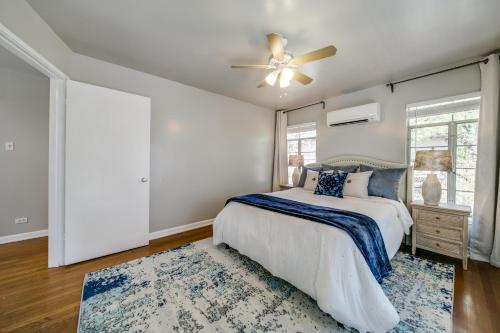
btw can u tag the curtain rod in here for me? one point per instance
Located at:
(392, 84)
(302, 107)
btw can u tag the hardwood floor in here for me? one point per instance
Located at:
(476, 306)
(36, 299)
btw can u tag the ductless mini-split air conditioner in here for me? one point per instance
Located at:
(367, 113)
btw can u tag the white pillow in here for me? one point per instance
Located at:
(311, 180)
(356, 184)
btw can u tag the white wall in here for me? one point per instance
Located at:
(24, 119)
(205, 147)
(385, 140)
(226, 145)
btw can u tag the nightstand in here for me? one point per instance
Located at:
(441, 229)
(285, 186)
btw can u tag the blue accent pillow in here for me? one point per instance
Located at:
(346, 168)
(325, 167)
(384, 182)
(331, 184)
(303, 175)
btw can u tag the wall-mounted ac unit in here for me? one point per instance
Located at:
(367, 113)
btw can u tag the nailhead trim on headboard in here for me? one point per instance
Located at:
(406, 189)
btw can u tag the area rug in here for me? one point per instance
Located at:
(204, 288)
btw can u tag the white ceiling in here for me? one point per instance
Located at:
(195, 41)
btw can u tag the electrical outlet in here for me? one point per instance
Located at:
(9, 146)
(20, 220)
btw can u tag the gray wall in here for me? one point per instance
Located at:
(24, 119)
(387, 139)
(22, 20)
(204, 147)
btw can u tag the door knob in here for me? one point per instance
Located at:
(144, 180)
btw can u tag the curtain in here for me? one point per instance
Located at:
(280, 169)
(485, 235)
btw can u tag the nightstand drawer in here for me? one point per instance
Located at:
(445, 220)
(452, 234)
(439, 245)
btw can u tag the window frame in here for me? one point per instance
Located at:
(452, 146)
(452, 141)
(299, 128)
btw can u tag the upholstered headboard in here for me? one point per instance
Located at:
(405, 187)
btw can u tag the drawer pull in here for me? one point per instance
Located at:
(446, 247)
(438, 218)
(438, 231)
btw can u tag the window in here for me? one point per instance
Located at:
(301, 141)
(450, 123)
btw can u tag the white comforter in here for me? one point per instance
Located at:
(318, 259)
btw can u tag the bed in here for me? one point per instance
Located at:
(321, 260)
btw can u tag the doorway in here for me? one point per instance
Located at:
(24, 137)
(56, 151)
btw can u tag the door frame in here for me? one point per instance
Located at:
(57, 132)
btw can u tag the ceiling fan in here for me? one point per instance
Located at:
(284, 64)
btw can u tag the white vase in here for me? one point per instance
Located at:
(295, 177)
(431, 190)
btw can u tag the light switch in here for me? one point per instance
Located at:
(9, 146)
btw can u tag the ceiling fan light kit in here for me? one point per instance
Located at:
(272, 77)
(286, 76)
(284, 64)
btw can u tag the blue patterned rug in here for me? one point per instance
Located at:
(203, 288)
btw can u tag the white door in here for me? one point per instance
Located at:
(107, 171)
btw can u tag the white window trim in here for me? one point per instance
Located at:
(452, 129)
(443, 100)
(304, 127)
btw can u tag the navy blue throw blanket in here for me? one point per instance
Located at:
(363, 230)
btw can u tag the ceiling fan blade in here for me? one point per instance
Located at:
(262, 84)
(252, 66)
(302, 78)
(314, 55)
(275, 43)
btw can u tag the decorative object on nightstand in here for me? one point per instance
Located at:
(284, 187)
(432, 160)
(296, 161)
(441, 229)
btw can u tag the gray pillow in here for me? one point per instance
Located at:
(384, 182)
(303, 175)
(346, 168)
